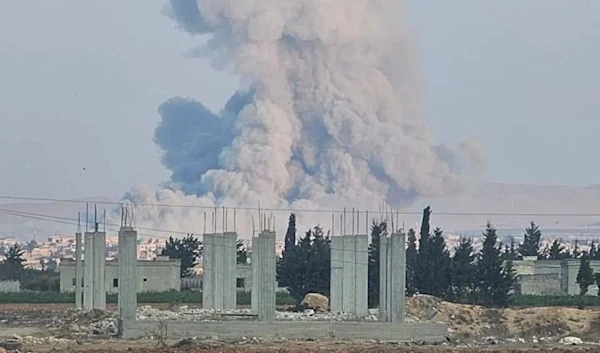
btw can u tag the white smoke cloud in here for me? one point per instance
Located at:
(331, 117)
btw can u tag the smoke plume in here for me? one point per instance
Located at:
(327, 114)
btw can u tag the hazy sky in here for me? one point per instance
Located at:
(81, 80)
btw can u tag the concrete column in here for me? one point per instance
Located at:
(88, 270)
(337, 273)
(267, 278)
(218, 270)
(398, 281)
(361, 281)
(383, 288)
(230, 271)
(207, 272)
(127, 257)
(349, 275)
(99, 240)
(255, 262)
(78, 271)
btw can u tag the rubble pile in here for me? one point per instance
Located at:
(94, 322)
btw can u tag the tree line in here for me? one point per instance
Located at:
(484, 277)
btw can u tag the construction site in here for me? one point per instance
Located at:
(341, 322)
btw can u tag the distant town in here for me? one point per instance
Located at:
(46, 254)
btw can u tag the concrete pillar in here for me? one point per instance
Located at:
(398, 259)
(267, 278)
(99, 240)
(127, 282)
(337, 273)
(78, 271)
(220, 270)
(361, 281)
(349, 274)
(207, 272)
(255, 256)
(88, 270)
(383, 278)
(230, 271)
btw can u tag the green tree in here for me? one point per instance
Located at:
(187, 249)
(12, 266)
(423, 274)
(531, 241)
(555, 252)
(439, 265)
(378, 230)
(411, 263)
(288, 253)
(489, 278)
(290, 235)
(510, 252)
(463, 271)
(242, 252)
(509, 280)
(585, 275)
(306, 267)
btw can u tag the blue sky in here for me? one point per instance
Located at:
(81, 80)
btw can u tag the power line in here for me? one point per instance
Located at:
(338, 211)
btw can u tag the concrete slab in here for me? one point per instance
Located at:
(427, 332)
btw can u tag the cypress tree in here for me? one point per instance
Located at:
(411, 263)
(378, 230)
(585, 275)
(423, 275)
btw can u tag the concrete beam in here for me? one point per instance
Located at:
(127, 259)
(313, 330)
(88, 269)
(78, 271)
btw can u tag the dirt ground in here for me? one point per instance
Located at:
(294, 347)
(469, 326)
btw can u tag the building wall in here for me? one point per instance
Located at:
(153, 276)
(551, 277)
(10, 286)
(539, 284)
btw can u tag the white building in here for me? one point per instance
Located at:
(158, 275)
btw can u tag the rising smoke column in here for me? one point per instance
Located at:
(329, 113)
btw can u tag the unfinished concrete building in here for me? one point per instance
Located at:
(219, 266)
